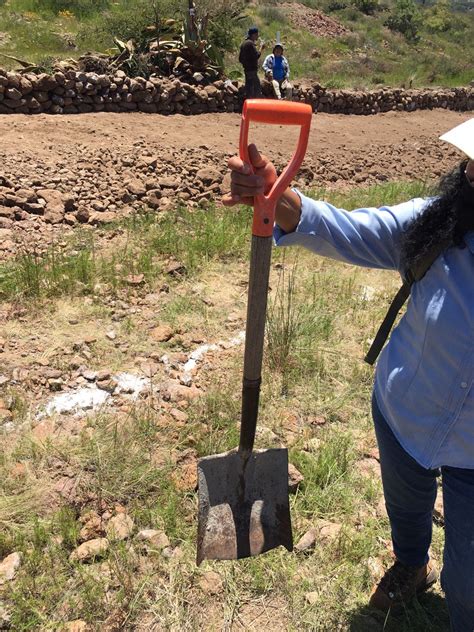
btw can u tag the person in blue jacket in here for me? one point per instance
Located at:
(423, 398)
(277, 70)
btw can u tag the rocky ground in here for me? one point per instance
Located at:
(57, 173)
(108, 399)
(312, 20)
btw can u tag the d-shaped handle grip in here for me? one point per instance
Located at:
(274, 113)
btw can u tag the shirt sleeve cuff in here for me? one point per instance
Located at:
(308, 224)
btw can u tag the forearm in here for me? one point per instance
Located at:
(368, 237)
(288, 211)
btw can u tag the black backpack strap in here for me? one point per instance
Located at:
(387, 324)
(413, 274)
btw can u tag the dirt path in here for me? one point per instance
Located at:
(58, 172)
(46, 138)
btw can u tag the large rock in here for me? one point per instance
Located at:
(54, 199)
(295, 478)
(323, 531)
(53, 217)
(162, 333)
(328, 530)
(209, 175)
(211, 583)
(9, 566)
(154, 538)
(136, 187)
(153, 198)
(168, 182)
(120, 527)
(93, 527)
(307, 541)
(312, 597)
(175, 392)
(90, 550)
(77, 626)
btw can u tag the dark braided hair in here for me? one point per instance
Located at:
(449, 216)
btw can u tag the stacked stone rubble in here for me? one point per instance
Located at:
(72, 92)
(385, 99)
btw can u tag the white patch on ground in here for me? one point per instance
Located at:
(85, 398)
(238, 340)
(198, 354)
(74, 402)
(367, 292)
(130, 384)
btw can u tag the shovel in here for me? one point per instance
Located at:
(244, 507)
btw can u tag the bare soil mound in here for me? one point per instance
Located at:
(312, 20)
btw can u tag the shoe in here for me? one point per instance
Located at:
(400, 584)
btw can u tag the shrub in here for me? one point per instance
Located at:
(270, 13)
(440, 17)
(80, 8)
(336, 5)
(126, 21)
(369, 7)
(405, 19)
(225, 19)
(351, 14)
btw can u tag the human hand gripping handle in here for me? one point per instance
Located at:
(276, 113)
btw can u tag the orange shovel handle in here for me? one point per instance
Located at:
(274, 113)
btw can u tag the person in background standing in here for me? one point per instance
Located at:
(277, 70)
(248, 57)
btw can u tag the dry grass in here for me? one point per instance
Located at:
(130, 460)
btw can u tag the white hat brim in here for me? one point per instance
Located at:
(462, 137)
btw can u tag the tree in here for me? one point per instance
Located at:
(405, 19)
(441, 17)
(369, 7)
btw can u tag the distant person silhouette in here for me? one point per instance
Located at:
(248, 57)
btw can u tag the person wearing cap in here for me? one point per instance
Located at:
(248, 57)
(423, 397)
(277, 70)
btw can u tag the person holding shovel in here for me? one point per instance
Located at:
(423, 398)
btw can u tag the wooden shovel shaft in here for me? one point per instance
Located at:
(260, 257)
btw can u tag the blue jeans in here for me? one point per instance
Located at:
(410, 494)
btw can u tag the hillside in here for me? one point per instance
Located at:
(336, 42)
(369, 53)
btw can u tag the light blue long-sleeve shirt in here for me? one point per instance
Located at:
(424, 376)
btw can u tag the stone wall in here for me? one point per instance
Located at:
(72, 92)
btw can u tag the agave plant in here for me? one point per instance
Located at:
(190, 49)
(176, 48)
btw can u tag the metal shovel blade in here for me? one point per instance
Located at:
(244, 507)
